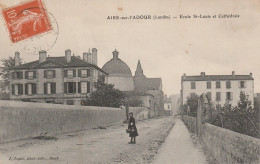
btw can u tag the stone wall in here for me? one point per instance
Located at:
(230, 147)
(190, 122)
(140, 113)
(225, 145)
(20, 120)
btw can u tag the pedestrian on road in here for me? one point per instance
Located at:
(132, 129)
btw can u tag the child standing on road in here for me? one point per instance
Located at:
(132, 129)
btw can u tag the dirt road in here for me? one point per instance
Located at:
(108, 145)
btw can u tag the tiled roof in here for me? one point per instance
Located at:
(58, 62)
(147, 83)
(216, 77)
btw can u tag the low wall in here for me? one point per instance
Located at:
(20, 120)
(230, 147)
(225, 145)
(190, 122)
(140, 113)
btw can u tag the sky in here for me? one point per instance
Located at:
(166, 48)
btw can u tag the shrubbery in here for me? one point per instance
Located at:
(241, 118)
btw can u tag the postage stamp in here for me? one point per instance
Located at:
(26, 20)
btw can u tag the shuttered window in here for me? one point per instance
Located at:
(83, 87)
(218, 96)
(229, 96)
(84, 73)
(208, 84)
(70, 87)
(17, 89)
(17, 75)
(49, 88)
(193, 85)
(30, 75)
(228, 84)
(218, 84)
(242, 84)
(70, 73)
(49, 74)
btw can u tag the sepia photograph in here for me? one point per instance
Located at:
(129, 82)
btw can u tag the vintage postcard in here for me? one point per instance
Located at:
(154, 82)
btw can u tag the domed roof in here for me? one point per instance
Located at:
(116, 66)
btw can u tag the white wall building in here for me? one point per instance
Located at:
(219, 88)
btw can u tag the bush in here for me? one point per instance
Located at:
(242, 118)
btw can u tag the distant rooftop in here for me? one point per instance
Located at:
(57, 62)
(204, 77)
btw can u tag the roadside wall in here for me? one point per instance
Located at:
(225, 145)
(190, 122)
(140, 113)
(20, 120)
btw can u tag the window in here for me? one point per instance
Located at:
(193, 85)
(17, 75)
(30, 75)
(169, 107)
(208, 84)
(49, 88)
(49, 74)
(228, 84)
(218, 84)
(84, 73)
(209, 96)
(242, 84)
(70, 73)
(70, 87)
(218, 96)
(30, 89)
(229, 96)
(84, 87)
(17, 89)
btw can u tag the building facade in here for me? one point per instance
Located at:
(64, 80)
(148, 90)
(220, 89)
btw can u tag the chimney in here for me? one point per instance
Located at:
(94, 56)
(42, 56)
(251, 75)
(184, 76)
(233, 73)
(202, 74)
(17, 58)
(85, 56)
(68, 55)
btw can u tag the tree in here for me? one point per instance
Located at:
(105, 95)
(133, 101)
(4, 74)
(244, 103)
(191, 104)
(241, 118)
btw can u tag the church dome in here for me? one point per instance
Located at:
(116, 66)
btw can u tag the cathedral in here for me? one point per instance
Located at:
(148, 90)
